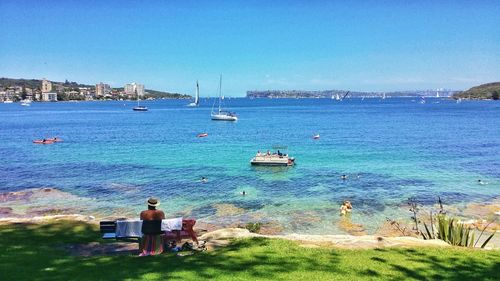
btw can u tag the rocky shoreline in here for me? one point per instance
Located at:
(43, 205)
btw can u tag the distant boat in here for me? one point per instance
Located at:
(139, 107)
(202, 135)
(25, 102)
(383, 96)
(7, 101)
(222, 115)
(196, 98)
(316, 137)
(337, 97)
(422, 100)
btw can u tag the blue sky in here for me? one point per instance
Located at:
(308, 45)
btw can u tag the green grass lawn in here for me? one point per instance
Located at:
(35, 252)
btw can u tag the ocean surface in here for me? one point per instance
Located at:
(112, 158)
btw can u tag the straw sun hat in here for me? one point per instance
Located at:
(153, 202)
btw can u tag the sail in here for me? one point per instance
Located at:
(197, 98)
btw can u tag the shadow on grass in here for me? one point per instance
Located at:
(31, 253)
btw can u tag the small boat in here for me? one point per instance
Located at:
(272, 159)
(316, 137)
(7, 101)
(202, 135)
(196, 98)
(139, 107)
(222, 115)
(26, 102)
(44, 141)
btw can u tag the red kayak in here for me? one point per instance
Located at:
(45, 141)
(202, 135)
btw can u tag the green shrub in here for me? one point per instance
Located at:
(453, 232)
(253, 226)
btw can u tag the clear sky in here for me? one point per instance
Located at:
(307, 45)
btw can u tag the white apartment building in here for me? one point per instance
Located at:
(49, 96)
(134, 89)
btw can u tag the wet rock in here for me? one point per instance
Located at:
(5, 210)
(348, 226)
(223, 210)
(15, 196)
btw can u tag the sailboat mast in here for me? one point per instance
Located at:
(220, 91)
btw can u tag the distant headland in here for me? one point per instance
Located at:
(489, 91)
(12, 89)
(339, 94)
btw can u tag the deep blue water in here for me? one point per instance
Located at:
(112, 158)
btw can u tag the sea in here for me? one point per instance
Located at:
(391, 150)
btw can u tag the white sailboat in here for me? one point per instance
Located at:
(222, 115)
(196, 98)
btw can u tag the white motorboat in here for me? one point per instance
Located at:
(272, 159)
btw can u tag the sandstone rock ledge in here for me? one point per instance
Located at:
(221, 237)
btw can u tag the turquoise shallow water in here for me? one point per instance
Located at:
(113, 158)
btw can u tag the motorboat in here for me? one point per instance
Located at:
(202, 135)
(316, 137)
(272, 159)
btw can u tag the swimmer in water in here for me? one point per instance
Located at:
(481, 182)
(243, 193)
(343, 177)
(345, 208)
(203, 180)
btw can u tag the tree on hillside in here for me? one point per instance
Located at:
(495, 95)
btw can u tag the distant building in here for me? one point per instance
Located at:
(102, 89)
(134, 89)
(139, 89)
(49, 96)
(46, 86)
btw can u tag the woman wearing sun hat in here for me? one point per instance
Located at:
(152, 243)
